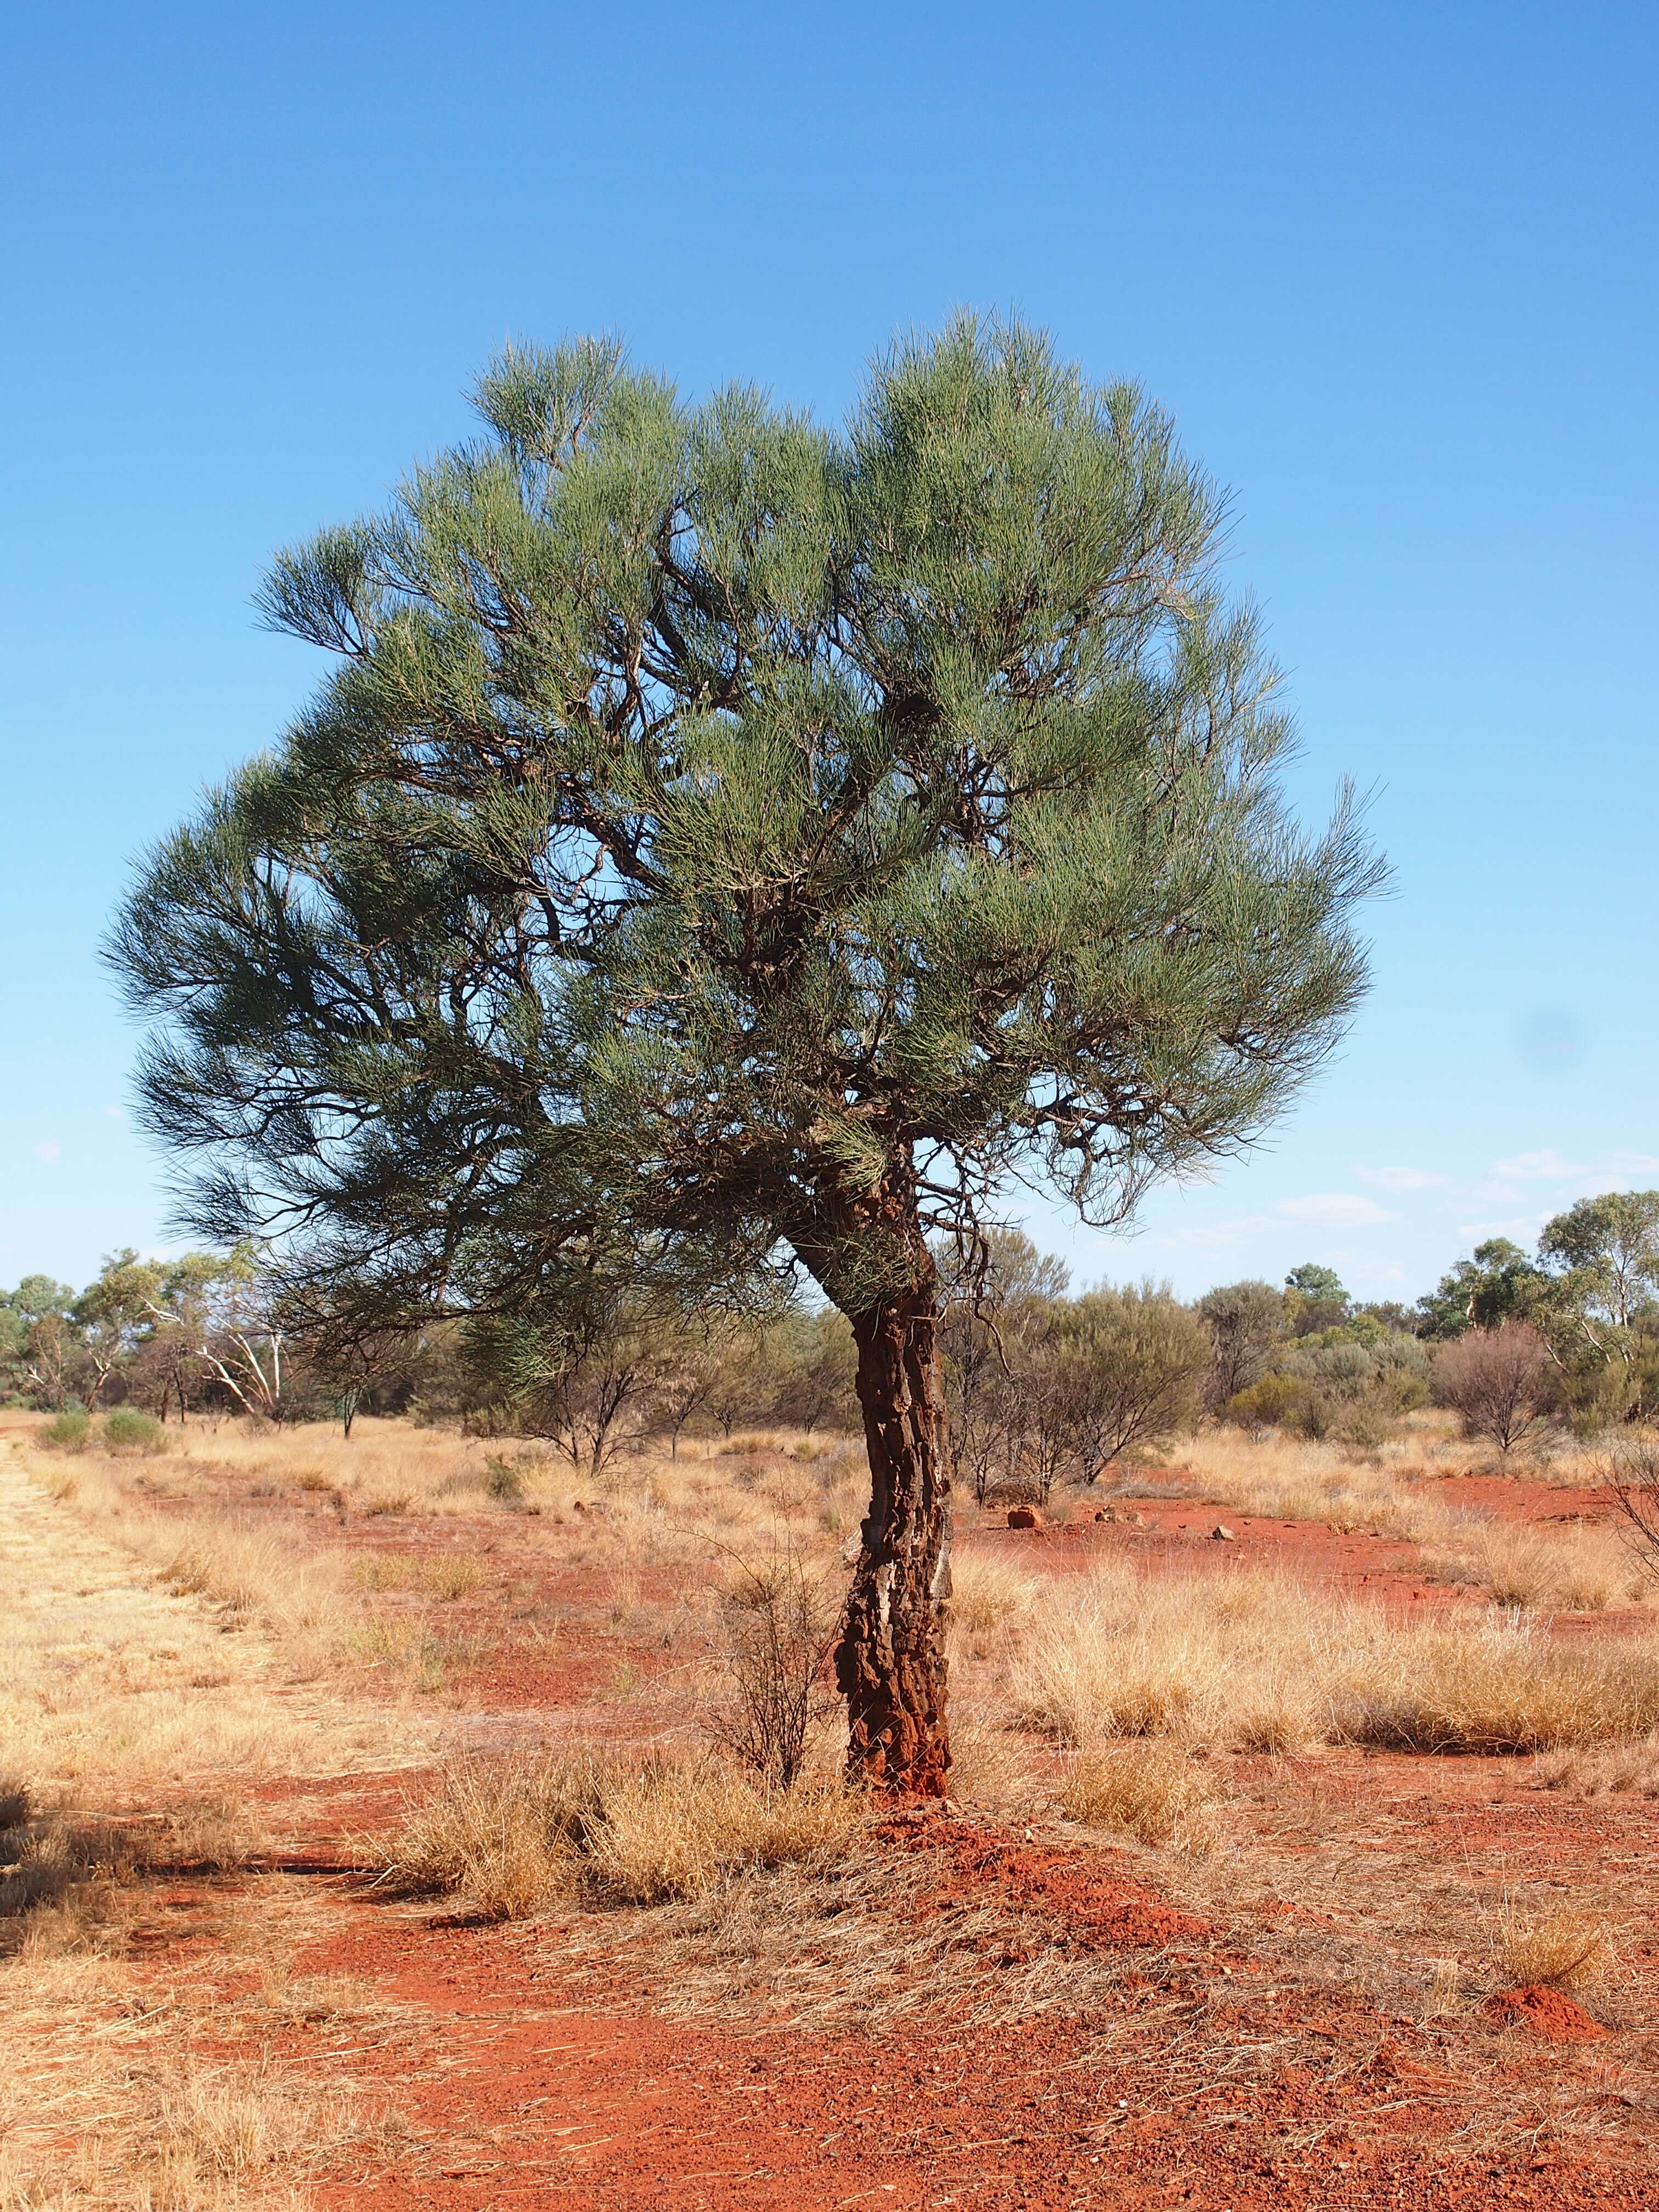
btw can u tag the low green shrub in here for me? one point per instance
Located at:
(70, 1431)
(128, 1429)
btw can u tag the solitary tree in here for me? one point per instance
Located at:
(724, 838)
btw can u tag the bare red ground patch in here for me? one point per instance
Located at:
(1101, 1905)
(1549, 2013)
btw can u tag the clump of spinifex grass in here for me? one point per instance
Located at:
(1150, 1790)
(1558, 1944)
(1254, 1662)
(511, 1837)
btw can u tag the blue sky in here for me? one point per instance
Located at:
(1393, 269)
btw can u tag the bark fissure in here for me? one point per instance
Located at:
(889, 1663)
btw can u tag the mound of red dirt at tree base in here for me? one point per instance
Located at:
(1107, 1910)
(1547, 2012)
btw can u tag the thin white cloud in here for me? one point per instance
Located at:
(1400, 1178)
(1631, 1163)
(116, 1113)
(1334, 1209)
(48, 1150)
(1215, 1236)
(1546, 1166)
(1519, 1228)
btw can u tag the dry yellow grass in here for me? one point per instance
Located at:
(1254, 1662)
(112, 1680)
(1558, 1944)
(104, 2107)
(1572, 1569)
(445, 1575)
(1152, 1790)
(1283, 1478)
(510, 1836)
(1563, 1569)
(991, 1596)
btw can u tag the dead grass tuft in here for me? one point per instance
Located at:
(1149, 1791)
(1583, 1570)
(1254, 1662)
(1558, 1945)
(991, 1598)
(446, 1576)
(1602, 1770)
(509, 1838)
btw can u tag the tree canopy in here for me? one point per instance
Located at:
(723, 837)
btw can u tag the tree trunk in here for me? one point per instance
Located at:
(889, 1663)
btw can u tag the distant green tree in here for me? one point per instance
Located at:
(38, 1342)
(1121, 1370)
(1498, 1284)
(723, 838)
(1602, 1300)
(1321, 1286)
(817, 1362)
(116, 1314)
(1315, 1299)
(1609, 1247)
(1000, 1294)
(1246, 1322)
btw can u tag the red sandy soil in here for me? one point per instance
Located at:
(528, 2088)
(529, 2080)
(1549, 2013)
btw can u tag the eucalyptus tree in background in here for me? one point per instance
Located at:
(725, 840)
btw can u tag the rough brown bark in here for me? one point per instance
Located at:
(889, 1663)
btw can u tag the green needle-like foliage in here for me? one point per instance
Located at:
(711, 816)
(722, 838)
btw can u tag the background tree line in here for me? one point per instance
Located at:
(1045, 1388)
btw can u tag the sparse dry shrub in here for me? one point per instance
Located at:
(1558, 1944)
(1500, 1380)
(1152, 1790)
(510, 1837)
(778, 1618)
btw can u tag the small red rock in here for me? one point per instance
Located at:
(1025, 1516)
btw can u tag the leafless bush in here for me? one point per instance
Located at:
(1499, 1380)
(1632, 1476)
(778, 1620)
